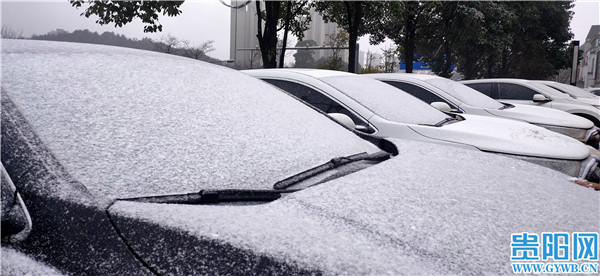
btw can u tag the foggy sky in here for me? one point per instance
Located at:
(199, 21)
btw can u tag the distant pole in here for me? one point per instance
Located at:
(356, 67)
(575, 58)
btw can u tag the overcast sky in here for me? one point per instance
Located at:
(199, 21)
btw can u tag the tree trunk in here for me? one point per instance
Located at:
(409, 40)
(354, 13)
(288, 15)
(267, 40)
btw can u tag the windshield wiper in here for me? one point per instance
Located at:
(246, 195)
(506, 106)
(332, 164)
(214, 197)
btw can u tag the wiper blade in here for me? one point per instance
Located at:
(204, 197)
(332, 164)
(214, 197)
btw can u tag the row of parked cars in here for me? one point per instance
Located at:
(135, 162)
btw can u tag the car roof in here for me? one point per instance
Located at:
(128, 122)
(315, 73)
(404, 76)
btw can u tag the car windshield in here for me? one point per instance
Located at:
(384, 100)
(130, 123)
(464, 93)
(575, 91)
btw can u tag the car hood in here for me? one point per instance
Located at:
(541, 115)
(429, 210)
(507, 136)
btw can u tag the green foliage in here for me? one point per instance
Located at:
(497, 38)
(336, 41)
(123, 12)
(403, 23)
(350, 16)
(370, 70)
(304, 58)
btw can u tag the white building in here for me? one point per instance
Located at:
(244, 49)
(319, 31)
(589, 72)
(243, 32)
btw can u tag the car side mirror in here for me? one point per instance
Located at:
(442, 106)
(343, 119)
(16, 222)
(539, 98)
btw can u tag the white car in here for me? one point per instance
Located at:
(379, 109)
(455, 97)
(518, 91)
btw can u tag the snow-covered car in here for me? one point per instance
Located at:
(455, 97)
(519, 91)
(380, 109)
(139, 163)
(573, 91)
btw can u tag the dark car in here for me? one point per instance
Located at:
(133, 162)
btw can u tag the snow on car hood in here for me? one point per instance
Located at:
(508, 136)
(129, 123)
(545, 116)
(429, 210)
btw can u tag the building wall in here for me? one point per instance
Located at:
(243, 36)
(590, 67)
(243, 32)
(318, 32)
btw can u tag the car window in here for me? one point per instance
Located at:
(421, 93)
(316, 99)
(488, 89)
(384, 100)
(515, 92)
(464, 93)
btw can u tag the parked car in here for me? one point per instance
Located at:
(134, 162)
(573, 91)
(383, 110)
(518, 91)
(459, 98)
